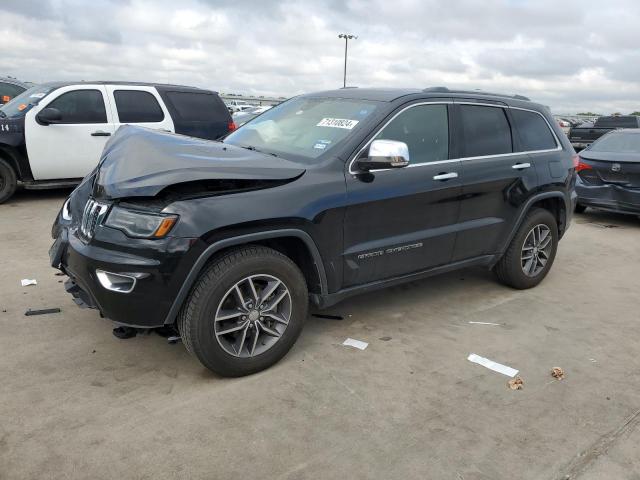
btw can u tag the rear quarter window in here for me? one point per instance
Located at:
(198, 107)
(533, 131)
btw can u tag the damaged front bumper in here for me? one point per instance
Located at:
(612, 197)
(131, 282)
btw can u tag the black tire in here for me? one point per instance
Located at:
(580, 208)
(196, 319)
(8, 181)
(509, 268)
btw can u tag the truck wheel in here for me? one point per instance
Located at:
(8, 181)
(245, 311)
(531, 252)
(580, 208)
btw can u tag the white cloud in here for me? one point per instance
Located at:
(574, 55)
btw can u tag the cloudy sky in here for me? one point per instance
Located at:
(573, 55)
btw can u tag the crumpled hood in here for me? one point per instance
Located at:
(140, 162)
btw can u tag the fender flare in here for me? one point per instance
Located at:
(525, 209)
(212, 249)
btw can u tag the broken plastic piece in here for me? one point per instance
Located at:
(328, 317)
(44, 311)
(26, 281)
(174, 339)
(491, 365)
(350, 342)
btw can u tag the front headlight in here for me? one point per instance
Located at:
(140, 224)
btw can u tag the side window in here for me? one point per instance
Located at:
(198, 107)
(8, 91)
(81, 106)
(486, 131)
(136, 106)
(533, 131)
(425, 130)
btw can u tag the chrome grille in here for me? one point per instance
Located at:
(93, 214)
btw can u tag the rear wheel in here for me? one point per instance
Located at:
(580, 208)
(531, 252)
(245, 312)
(8, 181)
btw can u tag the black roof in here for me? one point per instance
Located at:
(123, 83)
(391, 94)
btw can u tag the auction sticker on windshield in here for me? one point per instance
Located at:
(337, 123)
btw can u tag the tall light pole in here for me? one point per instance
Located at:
(347, 37)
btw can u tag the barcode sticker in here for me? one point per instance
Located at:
(337, 123)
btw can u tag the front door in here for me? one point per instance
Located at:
(71, 148)
(400, 221)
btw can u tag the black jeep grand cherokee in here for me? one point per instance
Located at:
(325, 196)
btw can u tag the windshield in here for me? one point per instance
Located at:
(619, 142)
(24, 102)
(306, 127)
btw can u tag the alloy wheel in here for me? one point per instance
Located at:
(252, 315)
(536, 250)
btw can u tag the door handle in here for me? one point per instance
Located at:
(445, 176)
(100, 133)
(520, 166)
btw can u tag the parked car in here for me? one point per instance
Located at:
(11, 88)
(240, 118)
(584, 135)
(324, 196)
(238, 105)
(609, 173)
(565, 125)
(52, 135)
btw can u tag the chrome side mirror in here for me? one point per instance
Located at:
(384, 154)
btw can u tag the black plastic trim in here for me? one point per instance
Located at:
(241, 240)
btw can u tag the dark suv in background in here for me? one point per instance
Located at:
(322, 197)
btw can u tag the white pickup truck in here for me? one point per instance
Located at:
(53, 134)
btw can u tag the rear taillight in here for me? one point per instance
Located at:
(580, 165)
(232, 126)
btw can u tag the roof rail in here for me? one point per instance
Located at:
(474, 92)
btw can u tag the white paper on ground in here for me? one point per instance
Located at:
(350, 342)
(491, 365)
(26, 281)
(485, 323)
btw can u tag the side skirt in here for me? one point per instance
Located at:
(325, 301)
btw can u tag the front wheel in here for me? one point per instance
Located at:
(531, 252)
(8, 181)
(245, 312)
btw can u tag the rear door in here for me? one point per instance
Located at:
(139, 105)
(496, 180)
(400, 221)
(71, 148)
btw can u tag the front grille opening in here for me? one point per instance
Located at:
(92, 216)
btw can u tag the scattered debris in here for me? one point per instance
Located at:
(328, 317)
(385, 339)
(93, 351)
(516, 383)
(350, 342)
(124, 332)
(485, 323)
(27, 281)
(593, 360)
(44, 311)
(59, 274)
(557, 372)
(491, 365)
(174, 339)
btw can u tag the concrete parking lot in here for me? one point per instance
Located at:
(75, 402)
